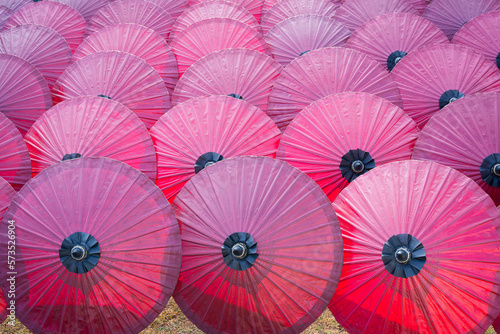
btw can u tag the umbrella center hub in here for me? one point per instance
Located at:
(490, 170)
(237, 96)
(355, 163)
(402, 255)
(239, 250)
(449, 96)
(303, 53)
(78, 253)
(70, 156)
(104, 96)
(358, 166)
(206, 160)
(496, 169)
(395, 58)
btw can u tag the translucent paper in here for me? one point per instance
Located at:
(254, 7)
(269, 3)
(14, 5)
(92, 127)
(173, 7)
(457, 289)
(219, 124)
(298, 242)
(5, 13)
(138, 236)
(87, 7)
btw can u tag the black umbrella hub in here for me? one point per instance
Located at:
(236, 96)
(304, 52)
(403, 255)
(239, 251)
(80, 252)
(355, 163)
(207, 159)
(490, 170)
(104, 96)
(395, 58)
(71, 156)
(498, 60)
(449, 96)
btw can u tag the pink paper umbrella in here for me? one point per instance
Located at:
(117, 76)
(98, 249)
(353, 13)
(262, 250)
(243, 74)
(25, 94)
(15, 164)
(206, 36)
(300, 34)
(343, 136)
(174, 7)
(212, 9)
(269, 3)
(87, 7)
(65, 20)
(254, 7)
(138, 40)
(91, 127)
(465, 136)
(140, 12)
(421, 252)
(7, 193)
(323, 72)
(14, 5)
(436, 75)
(388, 38)
(451, 15)
(479, 34)
(41, 46)
(225, 127)
(5, 13)
(286, 9)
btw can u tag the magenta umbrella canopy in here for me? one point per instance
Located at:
(212, 9)
(138, 40)
(65, 20)
(91, 126)
(388, 38)
(243, 74)
(5, 13)
(14, 5)
(140, 12)
(451, 15)
(269, 3)
(254, 7)
(262, 250)
(225, 127)
(209, 35)
(421, 252)
(85, 7)
(300, 34)
(323, 72)
(25, 95)
(480, 35)
(465, 136)
(117, 76)
(7, 193)
(41, 46)
(173, 7)
(98, 249)
(435, 75)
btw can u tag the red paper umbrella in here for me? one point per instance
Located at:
(479, 34)
(206, 36)
(286, 9)
(415, 237)
(436, 75)
(87, 8)
(225, 127)
(41, 46)
(262, 251)
(65, 20)
(243, 74)
(139, 41)
(323, 72)
(300, 34)
(5, 13)
(174, 7)
(450, 15)
(7, 193)
(353, 13)
(117, 76)
(15, 164)
(343, 136)
(212, 9)
(141, 12)
(97, 249)
(14, 5)
(465, 136)
(254, 7)
(390, 37)
(25, 95)
(91, 127)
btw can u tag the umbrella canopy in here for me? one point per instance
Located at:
(286, 9)
(173, 7)
(206, 36)
(465, 136)
(243, 74)
(388, 38)
(97, 249)
(479, 34)
(7, 193)
(41, 46)
(415, 237)
(212, 9)
(5, 13)
(300, 34)
(225, 127)
(91, 127)
(14, 5)
(140, 12)
(269, 3)
(254, 7)
(281, 251)
(87, 8)
(117, 76)
(451, 15)
(25, 94)
(15, 164)
(342, 136)
(138, 40)
(65, 20)
(323, 72)
(435, 75)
